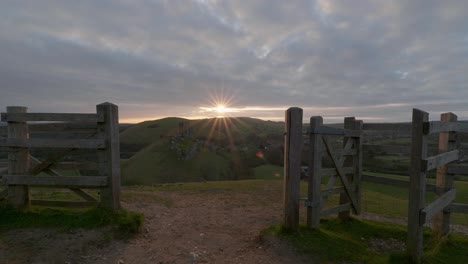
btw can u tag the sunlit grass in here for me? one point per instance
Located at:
(362, 241)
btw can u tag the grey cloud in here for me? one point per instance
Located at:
(160, 58)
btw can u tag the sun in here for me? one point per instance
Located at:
(221, 109)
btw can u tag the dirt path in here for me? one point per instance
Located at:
(202, 226)
(211, 226)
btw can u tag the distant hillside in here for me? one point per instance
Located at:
(176, 149)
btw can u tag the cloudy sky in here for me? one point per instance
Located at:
(372, 59)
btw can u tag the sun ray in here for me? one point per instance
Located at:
(212, 130)
(242, 123)
(228, 133)
(234, 124)
(234, 150)
(202, 127)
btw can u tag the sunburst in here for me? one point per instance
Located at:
(220, 105)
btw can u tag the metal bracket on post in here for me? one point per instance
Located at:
(308, 203)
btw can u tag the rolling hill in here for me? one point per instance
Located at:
(180, 150)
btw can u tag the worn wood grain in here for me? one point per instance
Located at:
(64, 127)
(24, 117)
(53, 143)
(441, 126)
(63, 134)
(18, 159)
(417, 192)
(292, 167)
(442, 159)
(444, 181)
(70, 181)
(315, 169)
(349, 124)
(437, 206)
(357, 163)
(70, 204)
(109, 158)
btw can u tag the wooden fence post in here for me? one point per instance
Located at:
(18, 160)
(292, 166)
(109, 158)
(315, 164)
(444, 181)
(417, 189)
(349, 123)
(357, 164)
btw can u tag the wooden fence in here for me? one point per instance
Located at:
(346, 164)
(58, 135)
(446, 149)
(438, 211)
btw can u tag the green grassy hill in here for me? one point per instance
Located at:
(181, 150)
(147, 132)
(157, 163)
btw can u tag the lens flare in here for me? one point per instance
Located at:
(260, 155)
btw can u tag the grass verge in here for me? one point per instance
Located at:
(124, 223)
(360, 241)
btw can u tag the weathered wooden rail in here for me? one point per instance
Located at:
(66, 134)
(447, 158)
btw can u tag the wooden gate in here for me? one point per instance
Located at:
(346, 167)
(25, 171)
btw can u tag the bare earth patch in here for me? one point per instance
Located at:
(211, 226)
